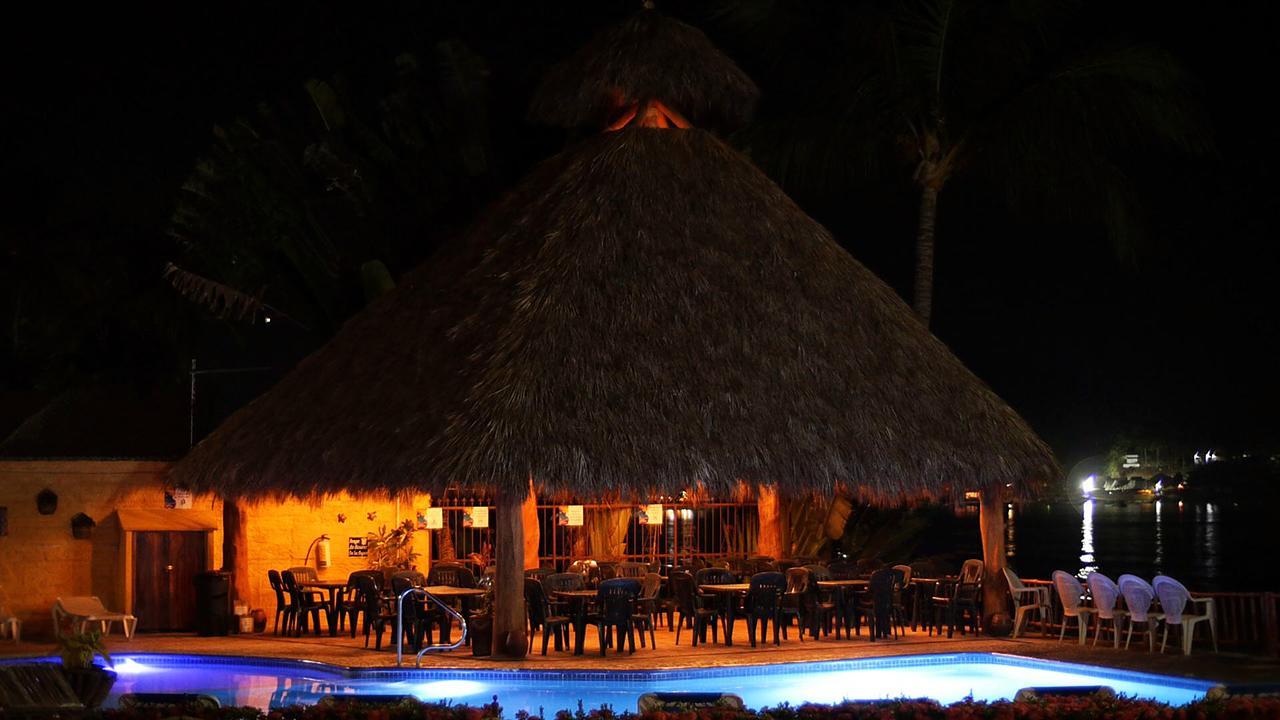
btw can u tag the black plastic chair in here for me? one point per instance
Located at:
(764, 604)
(877, 604)
(349, 604)
(846, 613)
(284, 603)
(962, 603)
(616, 600)
(542, 617)
(698, 611)
(307, 602)
(415, 621)
(376, 613)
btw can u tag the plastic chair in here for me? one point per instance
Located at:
(81, 611)
(376, 614)
(616, 598)
(878, 604)
(1071, 594)
(307, 602)
(1027, 600)
(695, 610)
(1138, 598)
(304, 573)
(284, 603)
(963, 603)
(763, 604)
(541, 616)
(1174, 599)
(1105, 595)
(632, 570)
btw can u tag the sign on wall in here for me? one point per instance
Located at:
(569, 515)
(650, 514)
(477, 517)
(358, 546)
(431, 519)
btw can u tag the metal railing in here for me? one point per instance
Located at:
(438, 647)
(708, 529)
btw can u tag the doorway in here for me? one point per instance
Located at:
(165, 566)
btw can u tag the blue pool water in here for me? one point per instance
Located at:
(947, 678)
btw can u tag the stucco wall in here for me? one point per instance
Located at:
(278, 534)
(40, 560)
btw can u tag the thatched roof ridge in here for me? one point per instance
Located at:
(647, 311)
(649, 56)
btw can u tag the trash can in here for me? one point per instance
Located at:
(213, 603)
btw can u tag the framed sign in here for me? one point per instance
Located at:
(478, 517)
(431, 519)
(357, 547)
(569, 515)
(650, 514)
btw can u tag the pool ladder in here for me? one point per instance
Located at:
(462, 637)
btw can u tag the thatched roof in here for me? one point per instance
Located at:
(649, 56)
(646, 311)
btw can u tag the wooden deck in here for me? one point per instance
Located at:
(348, 652)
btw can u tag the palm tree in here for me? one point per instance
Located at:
(1013, 93)
(300, 212)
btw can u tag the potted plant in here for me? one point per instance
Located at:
(392, 550)
(91, 683)
(480, 626)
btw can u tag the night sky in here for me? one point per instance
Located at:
(108, 109)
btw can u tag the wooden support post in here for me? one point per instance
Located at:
(235, 549)
(532, 530)
(995, 600)
(510, 633)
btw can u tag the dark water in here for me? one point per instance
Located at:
(1207, 546)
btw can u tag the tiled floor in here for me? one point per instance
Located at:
(345, 651)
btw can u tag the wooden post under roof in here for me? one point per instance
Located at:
(510, 633)
(995, 601)
(235, 549)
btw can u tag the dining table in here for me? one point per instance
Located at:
(451, 594)
(332, 587)
(845, 590)
(728, 593)
(578, 601)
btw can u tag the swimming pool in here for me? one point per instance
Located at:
(267, 683)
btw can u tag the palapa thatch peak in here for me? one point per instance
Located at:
(646, 312)
(647, 57)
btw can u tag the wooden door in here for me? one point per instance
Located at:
(164, 568)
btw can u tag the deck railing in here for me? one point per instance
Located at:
(1246, 621)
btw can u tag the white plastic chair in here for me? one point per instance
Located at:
(10, 625)
(81, 611)
(1173, 600)
(1138, 598)
(1071, 594)
(1026, 600)
(1105, 596)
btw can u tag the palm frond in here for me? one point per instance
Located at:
(223, 300)
(925, 28)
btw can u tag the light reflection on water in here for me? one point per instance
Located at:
(1086, 539)
(1206, 546)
